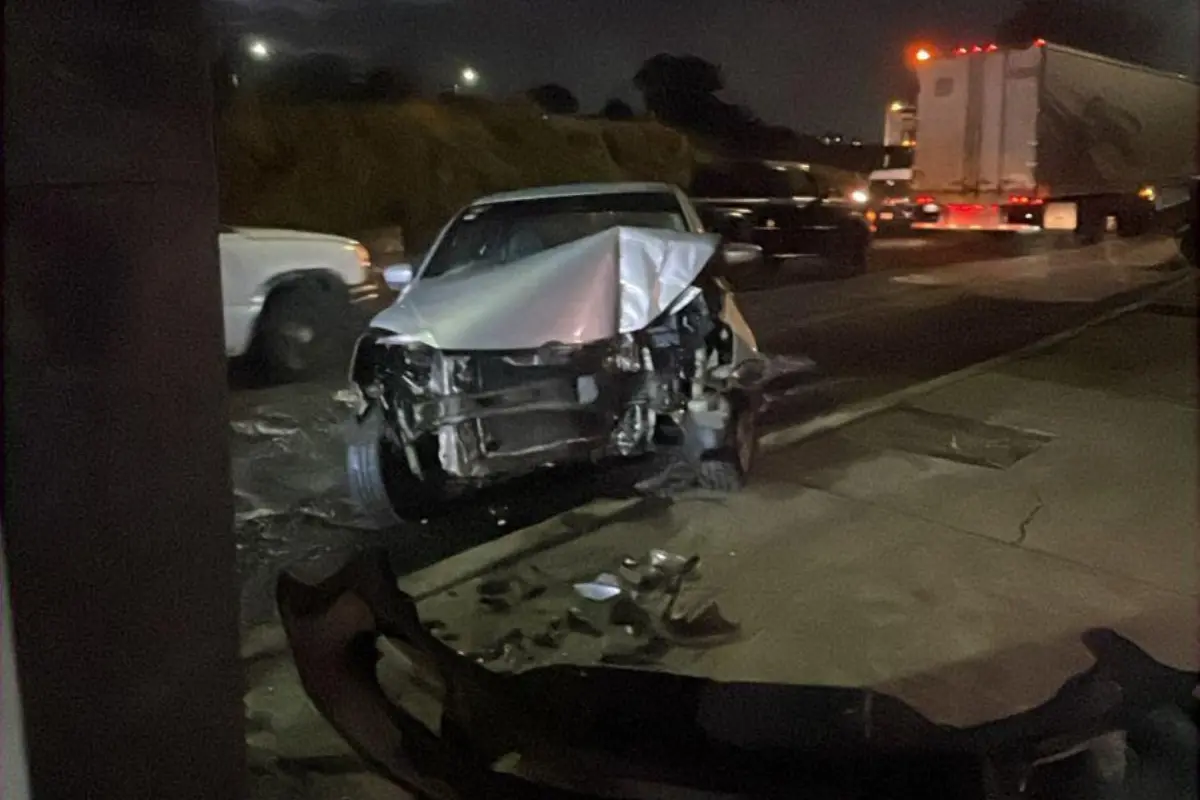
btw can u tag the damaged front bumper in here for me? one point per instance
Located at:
(442, 726)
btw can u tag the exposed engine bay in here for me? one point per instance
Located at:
(438, 420)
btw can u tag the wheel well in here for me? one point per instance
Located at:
(321, 279)
(324, 279)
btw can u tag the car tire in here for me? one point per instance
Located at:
(381, 484)
(298, 332)
(727, 469)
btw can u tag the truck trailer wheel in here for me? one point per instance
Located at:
(298, 332)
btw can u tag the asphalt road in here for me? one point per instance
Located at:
(926, 307)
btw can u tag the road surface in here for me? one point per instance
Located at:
(915, 315)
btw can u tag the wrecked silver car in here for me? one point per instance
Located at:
(552, 326)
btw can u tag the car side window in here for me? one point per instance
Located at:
(803, 184)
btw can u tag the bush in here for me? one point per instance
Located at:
(345, 168)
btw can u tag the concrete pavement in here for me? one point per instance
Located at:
(950, 552)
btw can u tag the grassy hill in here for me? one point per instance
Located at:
(344, 168)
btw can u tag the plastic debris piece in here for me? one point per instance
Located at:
(626, 653)
(606, 586)
(495, 602)
(551, 638)
(625, 612)
(704, 626)
(577, 622)
(672, 564)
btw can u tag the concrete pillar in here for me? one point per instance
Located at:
(118, 511)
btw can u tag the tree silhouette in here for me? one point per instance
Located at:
(681, 90)
(618, 109)
(554, 99)
(1109, 27)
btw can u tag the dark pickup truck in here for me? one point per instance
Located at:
(801, 226)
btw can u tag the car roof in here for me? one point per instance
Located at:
(573, 190)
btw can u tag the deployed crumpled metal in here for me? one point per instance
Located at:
(572, 732)
(616, 281)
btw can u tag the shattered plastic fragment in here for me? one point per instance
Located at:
(578, 622)
(625, 612)
(704, 626)
(630, 652)
(495, 602)
(605, 587)
(672, 564)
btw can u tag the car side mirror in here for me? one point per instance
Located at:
(738, 254)
(397, 276)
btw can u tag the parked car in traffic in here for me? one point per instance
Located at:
(550, 326)
(288, 297)
(782, 207)
(892, 198)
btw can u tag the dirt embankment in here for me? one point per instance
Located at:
(346, 168)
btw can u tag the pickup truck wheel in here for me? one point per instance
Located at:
(727, 469)
(297, 334)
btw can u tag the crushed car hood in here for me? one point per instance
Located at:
(616, 281)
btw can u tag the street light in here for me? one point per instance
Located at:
(468, 77)
(258, 50)
(924, 55)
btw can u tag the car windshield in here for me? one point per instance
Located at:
(488, 235)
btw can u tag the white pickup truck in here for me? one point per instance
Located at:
(287, 296)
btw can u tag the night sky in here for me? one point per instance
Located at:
(814, 65)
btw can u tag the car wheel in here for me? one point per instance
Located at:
(727, 469)
(381, 483)
(297, 333)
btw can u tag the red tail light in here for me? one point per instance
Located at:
(960, 51)
(991, 48)
(1039, 42)
(976, 49)
(924, 199)
(1024, 200)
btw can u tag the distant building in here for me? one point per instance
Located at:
(900, 125)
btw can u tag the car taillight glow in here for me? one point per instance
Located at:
(924, 199)
(1024, 200)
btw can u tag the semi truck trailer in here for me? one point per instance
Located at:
(1047, 137)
